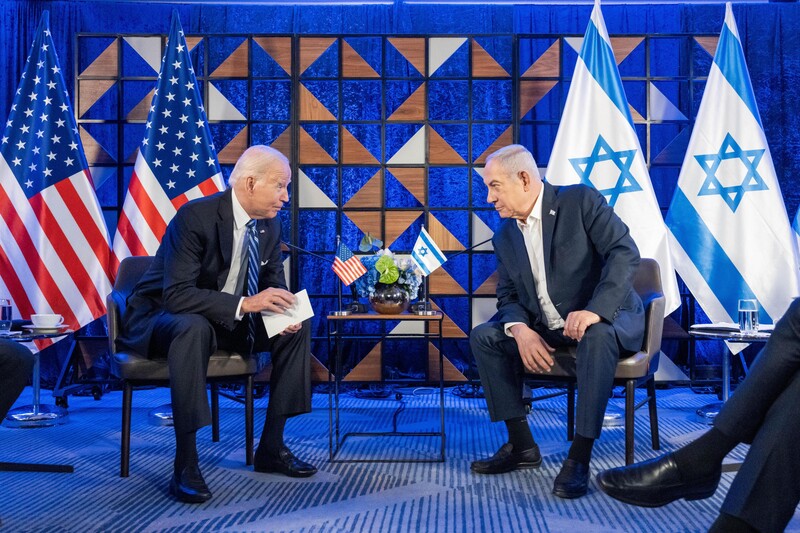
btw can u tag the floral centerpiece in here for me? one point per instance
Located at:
(391, 282)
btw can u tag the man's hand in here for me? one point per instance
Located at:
(272, 299)
(294, 328)
(578, 322)
(535, 353)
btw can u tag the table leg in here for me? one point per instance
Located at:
(709, 412)
(36, 415)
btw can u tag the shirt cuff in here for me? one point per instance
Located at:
(507, 327)
(239, 314)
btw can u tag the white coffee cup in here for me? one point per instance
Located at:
(47, 320)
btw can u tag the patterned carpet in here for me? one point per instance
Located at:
(341, 497)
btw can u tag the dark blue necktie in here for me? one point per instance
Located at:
(251, 287)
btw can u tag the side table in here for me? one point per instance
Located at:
(346, 327)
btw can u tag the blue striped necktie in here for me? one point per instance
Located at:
(251, 287)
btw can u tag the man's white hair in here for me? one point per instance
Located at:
(257, 161)
(514, 158)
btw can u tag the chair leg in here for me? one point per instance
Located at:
(125, 445)
(651, 392)
(214, 412)
(248, 420)
(571, 411)
(630, 408)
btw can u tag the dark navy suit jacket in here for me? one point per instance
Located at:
(191, 266)
(589, 259)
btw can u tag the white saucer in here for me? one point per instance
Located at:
(34, 329)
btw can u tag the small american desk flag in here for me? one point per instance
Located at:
(54, 252)
(176, 162)
(347, 266)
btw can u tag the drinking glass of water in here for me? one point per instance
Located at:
(5, 315)
(748, 316)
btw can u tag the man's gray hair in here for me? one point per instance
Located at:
(514, 158)
(257, 161)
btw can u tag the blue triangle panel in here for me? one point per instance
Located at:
(530, 50)
(456, 135)
(457, 308)
(664, 181)
(538, 138)
(220, 49)
(353, 179)
(369, 135)
(90, 48)
(315, 275)
(396, 194)
(263, 65)
(669, 56)
(325, 179)
(106, 107)
(483, 135)
(492, 99)
(327, 135)
(236, 92)
(326, 65)
(500, 48)
(483, 266)
(569, 59)
(635, 63)
(265, 133)
(636, 93)
(447, 186)
(327, 92)
(405, 242)
(448, 100)
(405, 359)
(134, 92)
(458, 268)
(456, 65)
(317, 229)
(397, 135)
(223, 132)
(285, 216)
(106, 135)
(272, 100)
(479, 191)
(397, 66)
(197, 56)
(369, 48)
(549, 106)
(107, 191)
(456, 222)
(133, 64)
(361, 100)
(398, 92)
(490, 218)
(132, 135)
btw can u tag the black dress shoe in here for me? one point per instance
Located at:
(284, 463)
(572, 481)
(189, 486)
(506, 460)
(655, 483)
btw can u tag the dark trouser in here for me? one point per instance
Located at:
(188, 341)
(16, 364)
(502, 372)
(764, 412)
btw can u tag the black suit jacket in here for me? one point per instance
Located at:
(589, 259)
(191, 266)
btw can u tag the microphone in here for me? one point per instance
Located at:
(312, 254)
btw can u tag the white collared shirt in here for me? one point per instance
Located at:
(235, 282)
(531, 231)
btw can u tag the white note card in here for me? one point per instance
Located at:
(275, 323)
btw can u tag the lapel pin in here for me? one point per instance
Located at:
(262, 231)
(552, 212)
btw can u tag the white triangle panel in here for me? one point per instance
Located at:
(481, 232)
(219, 108)
(101, 174)
(440, 49)
(661, 108)
(483, 309)
(409, 327)
(575, 43)
(413, 152)
(310, 195)
(149, 48)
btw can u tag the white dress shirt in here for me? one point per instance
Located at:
(234, 283)
(531, 231)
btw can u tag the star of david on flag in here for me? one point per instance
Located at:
(54, 248)
(597, 145)
(426, 255)
(730, 233)
(176, 162)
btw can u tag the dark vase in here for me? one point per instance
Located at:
(389, 299)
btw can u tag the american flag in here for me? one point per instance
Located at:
(54, 247)
(347, 266)
(176, 162)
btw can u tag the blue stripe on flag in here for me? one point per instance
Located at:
(599, 59)
(796, 223)
(730, 60)
(420, 263)
(433, 248)
(708, 256)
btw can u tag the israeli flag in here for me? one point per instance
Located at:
(597, 145)
(730, 234)
(796, 228)
(426, 255)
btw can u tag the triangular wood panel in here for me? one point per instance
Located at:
(413, 49)
(413, 108)
(94, 151)
(489, 286)
(623, 46)
(397, 222)
(369, 368)
(353, 65)
(234, 149)
(442, 236)
(548, 64)
(441, 282)
(311, 48)
(637, 117)
(484, 65)
(369, 195)
(142, 109)
(311, 108)
(367, 222)
(449, 328)
(709, 44)
(191, 42)
(440, 152)
(106, 64)
(319, 374)
(505, 139)
(283, 143)
(279, 49)
(530, 92)
(451, 373)
(132, 158)
(235, 65)
(311, 153)
(413, 179)
(353, 152)
(91, 92)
